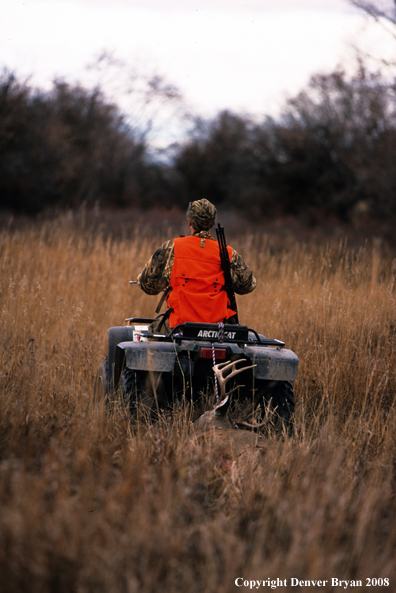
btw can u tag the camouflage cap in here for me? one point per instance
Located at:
(201, 214)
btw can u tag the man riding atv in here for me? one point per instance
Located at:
(190, 271)
(154, 362)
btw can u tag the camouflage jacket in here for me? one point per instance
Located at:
(156, 274)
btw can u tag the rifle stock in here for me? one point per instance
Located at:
(226, 267)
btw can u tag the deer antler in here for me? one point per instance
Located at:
(220, 370)
(218, 417)
(243, 424)
(222, 379)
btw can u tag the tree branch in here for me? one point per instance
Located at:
(376, 10)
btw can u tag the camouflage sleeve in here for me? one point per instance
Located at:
(243, 280)
(156, 274)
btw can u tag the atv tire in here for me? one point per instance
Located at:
(142, 391)
(276, 400)
(115, 335)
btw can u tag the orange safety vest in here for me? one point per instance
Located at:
(197, 282)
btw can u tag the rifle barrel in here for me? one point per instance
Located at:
(226, 267)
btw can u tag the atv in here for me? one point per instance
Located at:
(156, 370)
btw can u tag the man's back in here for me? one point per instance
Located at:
(190, 267)
(197, 282)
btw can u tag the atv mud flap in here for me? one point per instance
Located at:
(149, 356)
(276, 364)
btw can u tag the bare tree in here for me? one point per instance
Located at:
(382, 9)
(382, 12)
(152, 106)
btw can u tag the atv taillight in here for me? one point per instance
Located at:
(220, 353)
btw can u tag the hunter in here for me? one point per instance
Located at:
(189, 270)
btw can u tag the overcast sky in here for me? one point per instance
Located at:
(245, 55)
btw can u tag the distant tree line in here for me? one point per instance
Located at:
(330, 153)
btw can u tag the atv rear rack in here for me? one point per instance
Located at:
(209, 332)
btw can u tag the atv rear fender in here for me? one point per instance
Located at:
(272, 362)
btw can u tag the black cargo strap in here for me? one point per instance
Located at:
(164, 295)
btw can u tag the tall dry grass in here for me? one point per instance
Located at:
(89, 503)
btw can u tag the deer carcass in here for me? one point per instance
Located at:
(226, 435)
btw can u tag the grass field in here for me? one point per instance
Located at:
(88, 502)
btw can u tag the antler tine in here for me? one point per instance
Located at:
(243, 424)
(223, 367)
(246, 418)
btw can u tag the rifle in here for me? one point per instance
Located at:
(225, 266)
